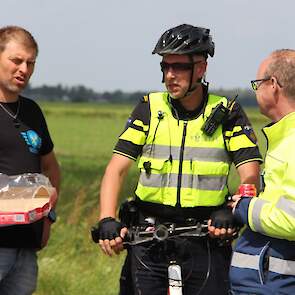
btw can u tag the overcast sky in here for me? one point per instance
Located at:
(107, 45)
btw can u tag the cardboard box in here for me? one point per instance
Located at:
(22, 212)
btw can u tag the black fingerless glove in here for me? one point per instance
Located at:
(107, 229)
(223, 218)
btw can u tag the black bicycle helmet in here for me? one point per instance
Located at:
(185, 39)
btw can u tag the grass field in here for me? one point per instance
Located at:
(84, 135)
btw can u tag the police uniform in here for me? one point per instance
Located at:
(264, 256)
(183, 174)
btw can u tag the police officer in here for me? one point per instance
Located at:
(264, 257)
(184, 159)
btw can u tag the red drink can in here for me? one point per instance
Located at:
(247, 190)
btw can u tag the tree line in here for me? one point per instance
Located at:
(80, 93)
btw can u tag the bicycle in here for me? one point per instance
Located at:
(139, 235)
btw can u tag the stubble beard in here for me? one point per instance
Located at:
(9, 89)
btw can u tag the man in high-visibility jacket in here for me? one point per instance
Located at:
(183, 170)
(263, 261)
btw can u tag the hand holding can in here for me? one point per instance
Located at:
(247, 190)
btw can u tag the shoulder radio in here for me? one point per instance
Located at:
(217, 117)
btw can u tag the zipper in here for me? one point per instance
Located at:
(180, 164)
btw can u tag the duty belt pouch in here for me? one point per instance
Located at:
(128, 213)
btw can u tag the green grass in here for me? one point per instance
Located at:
(84, 136)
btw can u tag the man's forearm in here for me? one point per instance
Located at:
(111, 185)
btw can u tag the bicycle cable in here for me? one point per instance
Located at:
(175, 238)
(208, 269)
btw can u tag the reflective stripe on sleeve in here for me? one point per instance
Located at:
(239, 142)
(134, 136)
(286, 205)
(140, 124)
(235, 129)
(195, 153)
(256, 214)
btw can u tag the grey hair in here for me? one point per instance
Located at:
(282, 67)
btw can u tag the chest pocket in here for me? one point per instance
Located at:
(209, 176)
(209, 168)
(155, 172)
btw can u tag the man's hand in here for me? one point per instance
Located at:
(221, 224)
(234, 200)
(110, 235)
(115, 245)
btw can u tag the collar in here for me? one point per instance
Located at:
(277, 131)
(180, 113)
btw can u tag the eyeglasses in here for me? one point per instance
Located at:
(178, 66)
(256, 83)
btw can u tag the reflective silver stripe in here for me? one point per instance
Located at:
(277, 265)
(256, 214)
(286, 205)
(195, 153)
(281, 266)
(245, 260)
(213, 183)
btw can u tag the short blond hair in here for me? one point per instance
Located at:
(17, 33)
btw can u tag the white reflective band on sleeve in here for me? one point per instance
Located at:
(281, 266)
(286, 205)
(256, 214)
(245, 260)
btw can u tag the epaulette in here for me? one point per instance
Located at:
(232, 106)
(231, 102)
(145, 98)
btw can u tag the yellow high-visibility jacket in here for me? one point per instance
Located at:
(264, 256)
(178, 159)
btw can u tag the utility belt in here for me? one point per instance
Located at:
(138, 212)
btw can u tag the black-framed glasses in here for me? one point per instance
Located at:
(178, 66)
(256, 83)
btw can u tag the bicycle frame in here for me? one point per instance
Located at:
(174, 279)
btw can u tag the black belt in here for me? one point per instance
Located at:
(178, 215)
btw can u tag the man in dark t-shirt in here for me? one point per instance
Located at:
(25, 147)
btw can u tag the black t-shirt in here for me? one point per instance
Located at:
(236, 118)
(24, 140)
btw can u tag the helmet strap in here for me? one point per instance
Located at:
(191, 88)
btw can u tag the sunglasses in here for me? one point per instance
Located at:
(178, 66)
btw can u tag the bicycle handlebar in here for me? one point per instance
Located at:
(136, 235)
